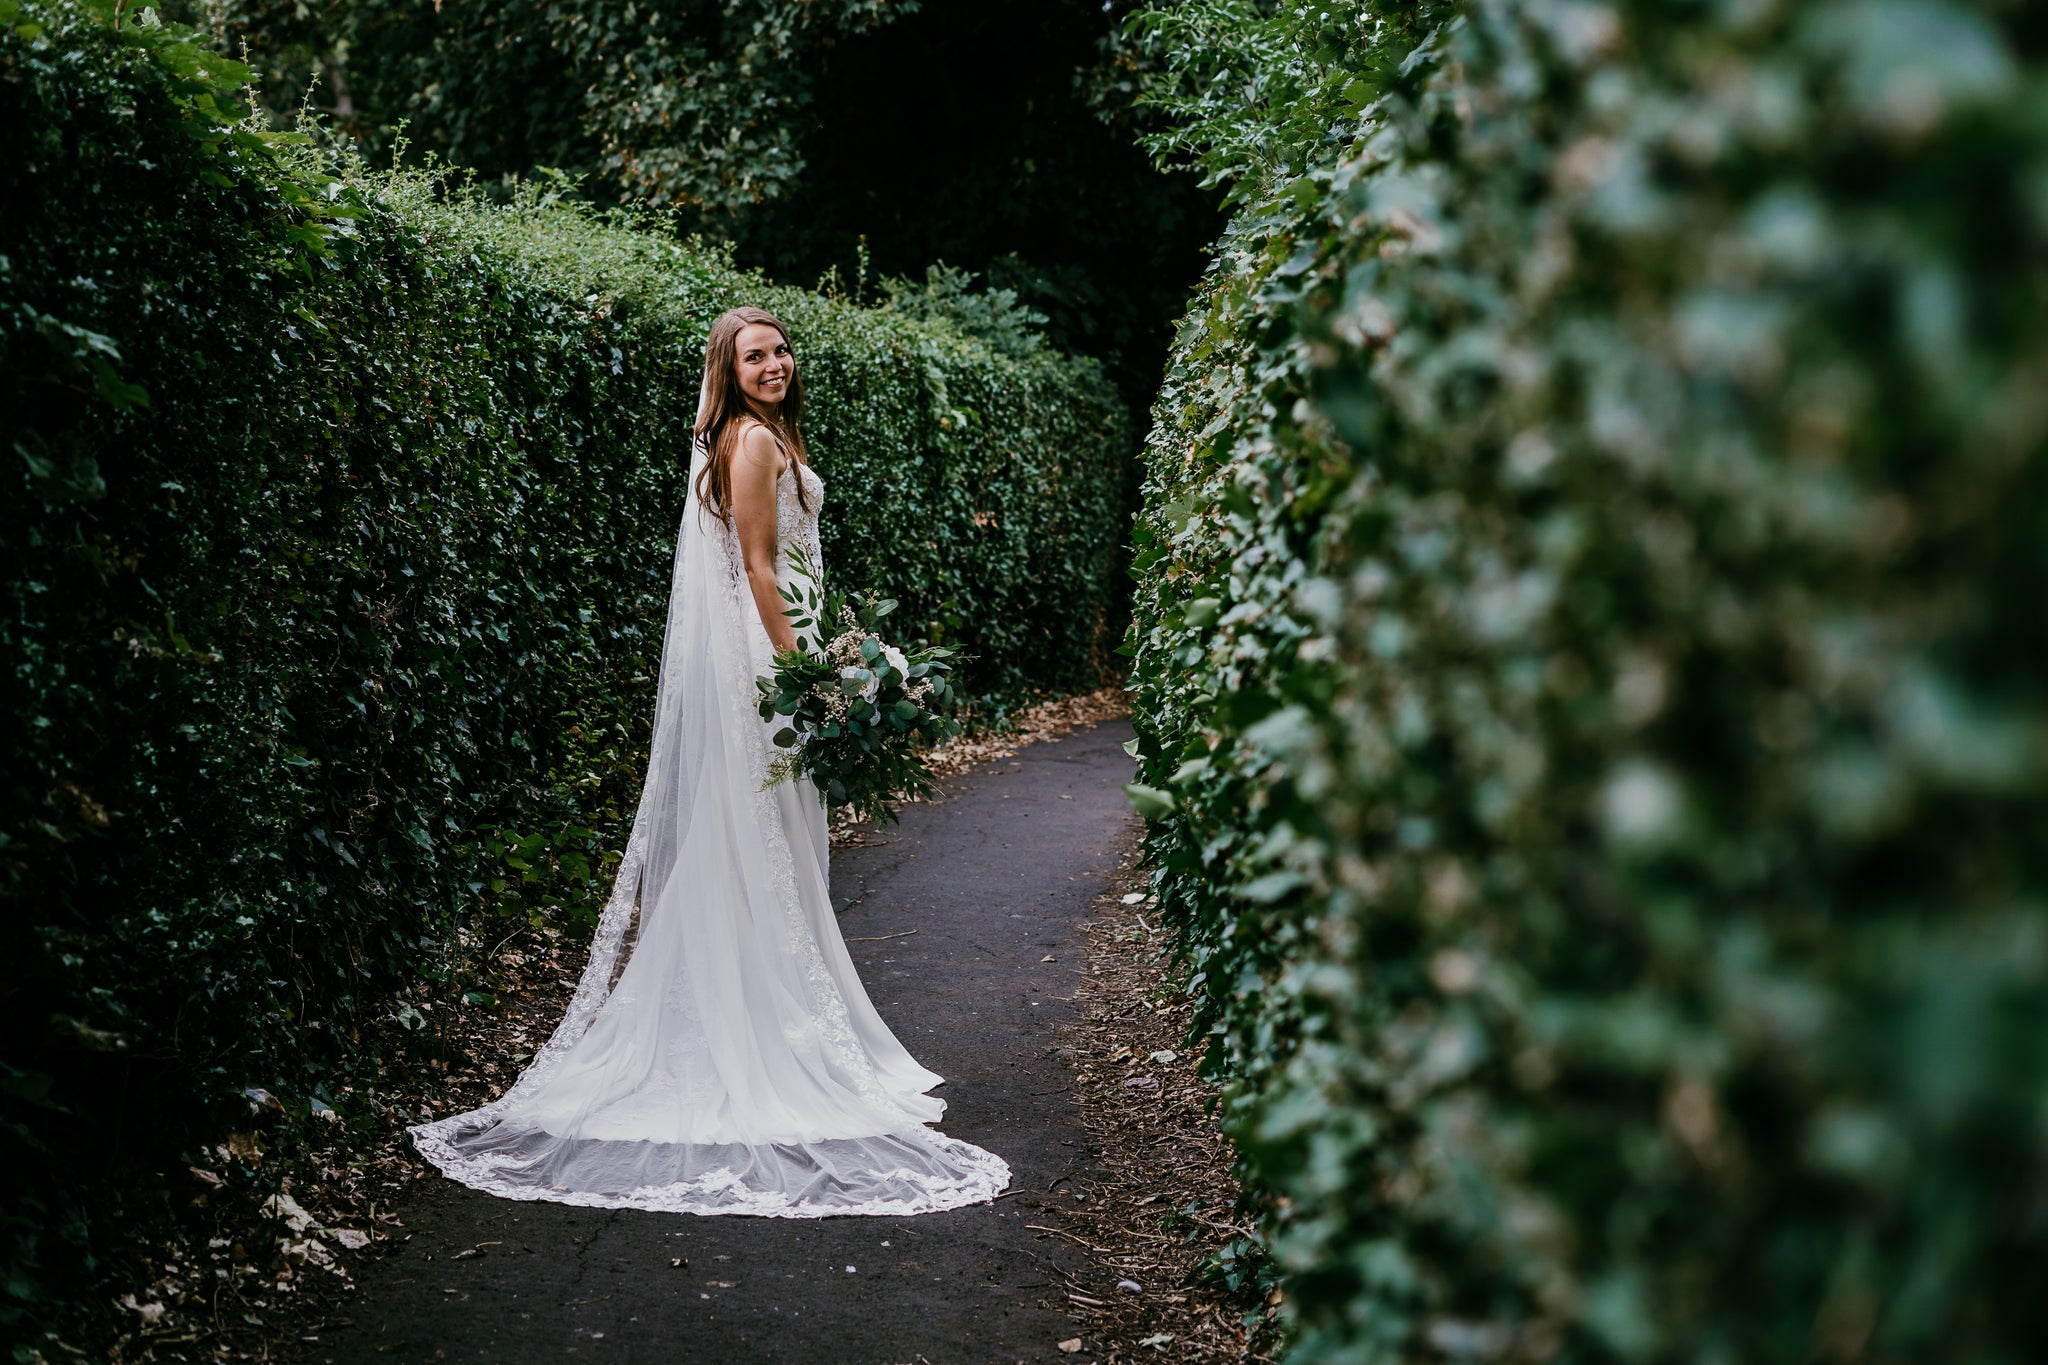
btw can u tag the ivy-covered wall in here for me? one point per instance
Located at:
(340, 513)
(1591, 672)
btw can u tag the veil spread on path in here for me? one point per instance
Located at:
(734, 1064)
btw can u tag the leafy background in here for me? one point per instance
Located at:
(841, 141)
(342, 511)
(1591, 684)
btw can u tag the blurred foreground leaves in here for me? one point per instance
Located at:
(1591, 672)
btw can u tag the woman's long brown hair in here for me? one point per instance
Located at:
(720, 424)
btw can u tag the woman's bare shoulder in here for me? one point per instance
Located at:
(758, 444)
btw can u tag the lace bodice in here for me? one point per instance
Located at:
(796, 524)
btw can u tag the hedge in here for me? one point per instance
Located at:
(1591, 673)
(341, 514)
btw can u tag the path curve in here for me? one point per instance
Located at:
(994, 878)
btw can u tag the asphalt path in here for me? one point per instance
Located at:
(995, 879)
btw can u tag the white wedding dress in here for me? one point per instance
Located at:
(734, 1064)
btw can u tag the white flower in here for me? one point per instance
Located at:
(895, 659)
(867, 691)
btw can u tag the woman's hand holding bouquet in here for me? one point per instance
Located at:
(861, 712)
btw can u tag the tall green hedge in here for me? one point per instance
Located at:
(340, 514)
(1592, 674)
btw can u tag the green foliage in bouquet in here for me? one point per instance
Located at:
(1591, 673)
(861, 712)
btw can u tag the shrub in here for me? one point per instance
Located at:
(339, 533)
(697, 104)
(1593, 704)
(994, 317)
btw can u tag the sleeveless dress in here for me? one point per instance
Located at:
(735, 1064)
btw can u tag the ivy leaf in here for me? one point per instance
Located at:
(1149, 802)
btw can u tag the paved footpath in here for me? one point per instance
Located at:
(994, 877)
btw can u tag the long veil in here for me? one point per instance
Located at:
(730, 1061)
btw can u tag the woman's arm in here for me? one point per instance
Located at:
(755, 467)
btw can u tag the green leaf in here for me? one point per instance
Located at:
(1149, 802)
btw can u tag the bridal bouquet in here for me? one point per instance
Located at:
(861, 712)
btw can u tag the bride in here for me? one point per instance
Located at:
(733, 1064)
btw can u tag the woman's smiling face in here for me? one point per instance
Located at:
(763, 364)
